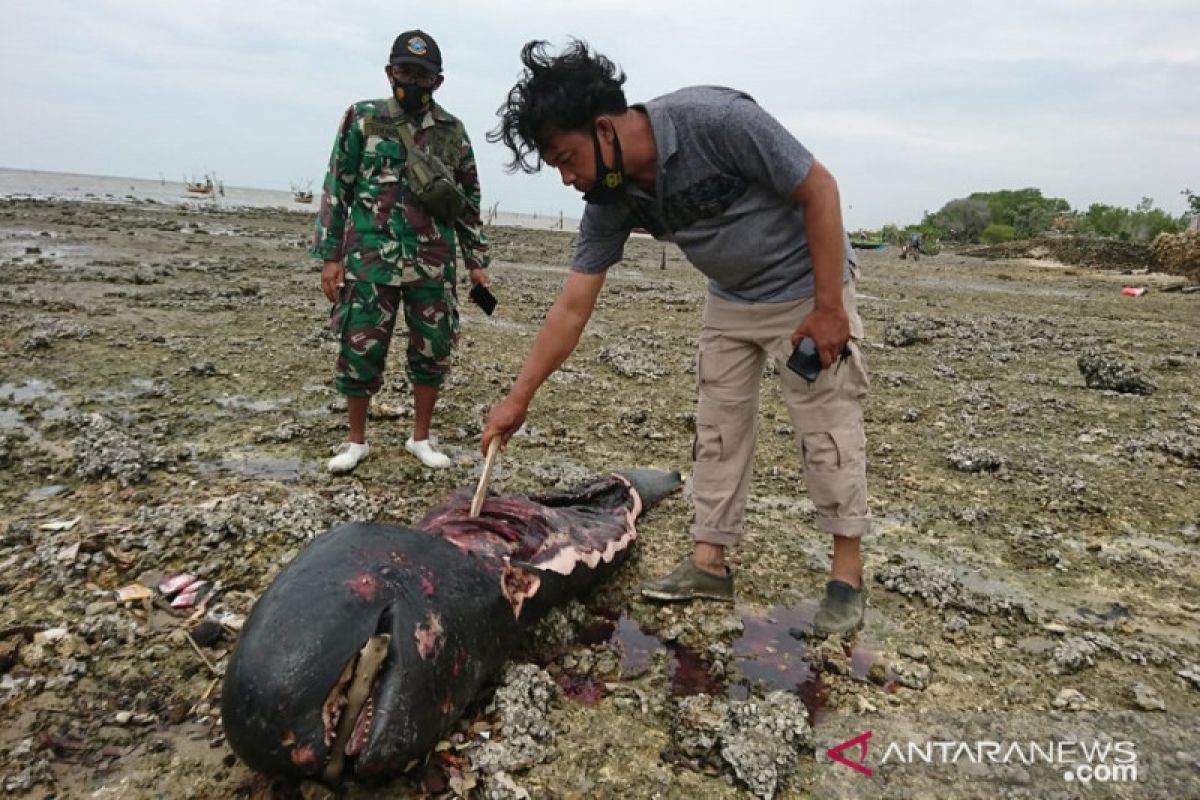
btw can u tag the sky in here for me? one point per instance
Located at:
(909, 105)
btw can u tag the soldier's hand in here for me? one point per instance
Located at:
(333, 277)
(479, 276)
(505, 418)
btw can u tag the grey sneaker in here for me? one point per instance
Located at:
(841, 609)
(689, 582)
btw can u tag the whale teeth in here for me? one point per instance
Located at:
(362, 727)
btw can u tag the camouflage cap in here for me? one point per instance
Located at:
(417, 47)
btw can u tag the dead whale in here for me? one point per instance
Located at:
(370, 643)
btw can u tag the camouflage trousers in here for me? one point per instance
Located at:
(364, 319)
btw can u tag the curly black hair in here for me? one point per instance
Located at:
(563, 92)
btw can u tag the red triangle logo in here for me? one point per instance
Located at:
(861, 740)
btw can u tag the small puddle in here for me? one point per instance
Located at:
(57, 413)
(259, 469)
(29, 390)
(28, 393)
(1115, 611)
(238, 403)
(44, 492)
(766, 655)
(1163, 548)
(137, 389)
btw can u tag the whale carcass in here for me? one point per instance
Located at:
(370, 643)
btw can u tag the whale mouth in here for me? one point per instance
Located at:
(335, 706)
(349, 708)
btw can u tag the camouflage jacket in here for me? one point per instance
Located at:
(368, 219)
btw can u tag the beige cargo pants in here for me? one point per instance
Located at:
(735, 341)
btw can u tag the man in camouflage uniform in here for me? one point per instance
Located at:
(386, 251)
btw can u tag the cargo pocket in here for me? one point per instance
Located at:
(706, 444)
(835, 477)
(857, 381)
(713, 367)
(715, 363)
(832, 451)
(339, 315)
(711, 439)
(820, 452)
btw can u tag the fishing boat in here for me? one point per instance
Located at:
(206, 185)
(302, 192)
(862, 244)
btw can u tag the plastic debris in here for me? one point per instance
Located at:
(133, 592)
(176, 583)
(191, 595)
(1133, 291)
(60, 525)
(230, 620)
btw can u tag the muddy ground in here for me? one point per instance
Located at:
(166, 407)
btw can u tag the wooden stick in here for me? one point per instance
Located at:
(486, 478)
(200, 653)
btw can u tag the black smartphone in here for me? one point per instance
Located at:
(805, 361)
(483, 298)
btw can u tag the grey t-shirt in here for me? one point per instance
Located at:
(726, 172)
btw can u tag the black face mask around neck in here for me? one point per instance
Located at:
(412, 97)
(610, 183)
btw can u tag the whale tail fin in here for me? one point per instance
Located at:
(652, 485)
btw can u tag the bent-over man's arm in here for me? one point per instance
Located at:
(555, 341)
(761, 149)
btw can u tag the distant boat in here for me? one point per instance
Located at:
(302, 191)
(861, 244)
(206, 186)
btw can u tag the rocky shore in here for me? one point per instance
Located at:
(166, 408)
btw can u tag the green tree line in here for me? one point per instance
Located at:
(992, 217)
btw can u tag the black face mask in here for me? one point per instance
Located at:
(610, 183)
(412, 97)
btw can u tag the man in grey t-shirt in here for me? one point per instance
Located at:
(708, 169)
